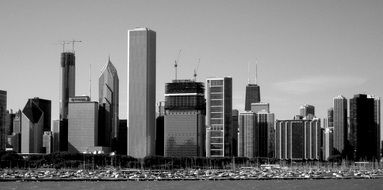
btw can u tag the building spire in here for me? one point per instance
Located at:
(256, 74)
(248, 72)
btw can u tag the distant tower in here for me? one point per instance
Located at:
(3, 110)
(340, 125)
(141, 92)
(108, 103)
(253, 94)
(219, 134)
(307, 111)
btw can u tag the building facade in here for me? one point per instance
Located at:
(184, 120)
(257, 107)
(219, 134)
(247, 135)
(298, 140)
(141, 92)
(109, 104)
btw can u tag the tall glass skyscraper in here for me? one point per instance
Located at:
(340, 125)
(220, 132)
(108, 103)
(3, 110)
(141, 92)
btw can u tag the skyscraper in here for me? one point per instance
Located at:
(141, 92)
(307, 110)
(219, 140)
(184, 126)
(253, 94)
(257, 107)
(364, 127)
(108, 103)
(248, 135)
(33, 123)
(340, 125)
(3, 109)
(68, 71)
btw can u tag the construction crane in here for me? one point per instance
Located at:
(176, 63)
(196, 70)
(65, 42)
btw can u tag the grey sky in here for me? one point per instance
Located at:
(307, 51)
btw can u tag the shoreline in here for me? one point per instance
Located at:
(178, 179)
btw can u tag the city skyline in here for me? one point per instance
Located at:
(340, 41)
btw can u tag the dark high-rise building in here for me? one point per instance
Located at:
(122, 137)
(67, 90)
(3, 111)
(235, 115)
(184, 120)
(252, 95)
(365, 127)
(34, 121)
(108, 102)
(340, 131)
(141, 92)
(219, 102)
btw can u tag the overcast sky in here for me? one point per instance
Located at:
(307, 51)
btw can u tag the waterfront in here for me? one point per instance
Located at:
(349, 184)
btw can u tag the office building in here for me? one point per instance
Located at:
(328, 136)
(184, 120)
(365, 127)
(219, 134)
(82, 125)
(340, 125)
(3, 109)
(141, 92)
(298, 139)
(108, 103)
(257, 107)
(33, 123)
(307, 111)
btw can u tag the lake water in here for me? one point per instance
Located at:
(328, 184)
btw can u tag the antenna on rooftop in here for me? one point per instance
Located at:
(256, 74)
(196, 70)
(248, 72)
(90, 81)
(176, 63)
